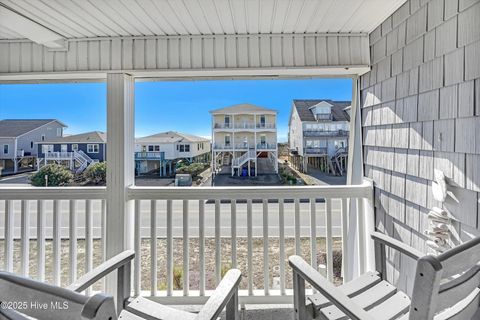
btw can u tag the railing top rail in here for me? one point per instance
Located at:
(51, 193)
(241, 193)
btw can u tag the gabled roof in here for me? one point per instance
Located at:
(305, 113)
(87, 137)
(170, 137)
(243, 108)
(13, 128)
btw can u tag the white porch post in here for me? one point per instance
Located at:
(120, 173)
(355, 176)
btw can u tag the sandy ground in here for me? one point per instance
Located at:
(258, 260)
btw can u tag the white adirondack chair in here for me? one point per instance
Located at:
(22, 298)
(446, 286)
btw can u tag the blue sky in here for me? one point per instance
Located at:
(161, 106)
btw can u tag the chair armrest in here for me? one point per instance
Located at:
(227, 288)
(397, 245)
(337, 297)
(102, 270)
(13, 315)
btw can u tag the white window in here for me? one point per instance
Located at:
(59, 132)
(5, 148)
(227, 140)
(63, 148)
(75, 147)
(47, 148)
(92, 148)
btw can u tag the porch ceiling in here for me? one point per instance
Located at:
(98, 18)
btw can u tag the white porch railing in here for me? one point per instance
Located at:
(266, 125)
(51, 215)
(195, 232)
(241, 221)
(59, 155)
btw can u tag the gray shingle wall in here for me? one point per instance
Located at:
(420, 111)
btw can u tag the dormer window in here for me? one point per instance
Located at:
(322, 111)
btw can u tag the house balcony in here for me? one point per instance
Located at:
(149, 155)
(220, 146)
(316, 151)
(59, 155)
(219, 125)
(319, 133)
(264, 224)
(266, 146)
(268, 126)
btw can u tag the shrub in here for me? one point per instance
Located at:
(225, 267)
(58, 175)
(177, 277)
(194, 169)
(97, 173)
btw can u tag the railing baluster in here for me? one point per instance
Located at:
(233, 223)
(344, 239)
(186, 266)
(25, 235)
(88, 239)
(73, 240)
(169, 248)
(103, 231)
(298, 250)
(249, 247)
(329, 240)
(201, 240)
(218, 250)
(361, 235)
(153, 247)
(138, 252)
(41, 240)
(281, 226)
(103, 235)
(9, 224)
(266, 274)
(56, 243)
(313, 234)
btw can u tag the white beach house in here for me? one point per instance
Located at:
(161, 151)
(244, 140)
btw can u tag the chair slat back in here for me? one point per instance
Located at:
(448, 284)
(39, 299)
(43, 301)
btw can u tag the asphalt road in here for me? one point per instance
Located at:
(193, 218)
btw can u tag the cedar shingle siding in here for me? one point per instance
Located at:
(420, 111)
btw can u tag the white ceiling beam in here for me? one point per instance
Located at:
(30, 29)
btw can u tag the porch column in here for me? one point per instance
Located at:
(120, 173)
(364, 247)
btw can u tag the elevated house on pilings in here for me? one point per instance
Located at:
(162, 151)
(77, 151)
(18, 138)
(244, 140)
(318, 135)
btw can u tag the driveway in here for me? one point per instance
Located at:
(18, 180)
(223, 180)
